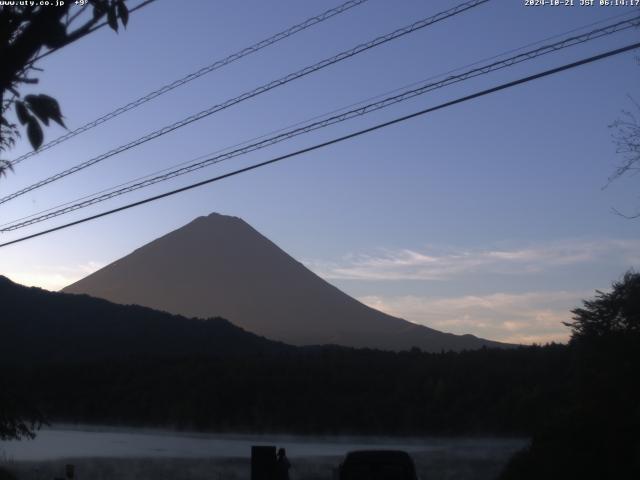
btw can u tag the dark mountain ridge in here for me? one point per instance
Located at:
(41, 326)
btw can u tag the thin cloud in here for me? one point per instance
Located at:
(431, 264)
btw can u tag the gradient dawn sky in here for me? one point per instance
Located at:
(488, 217)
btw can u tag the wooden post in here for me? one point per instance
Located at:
(263, 462)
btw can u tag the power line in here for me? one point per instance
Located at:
(358, 133)
(286, 135)
(192, 76)
(257, 91)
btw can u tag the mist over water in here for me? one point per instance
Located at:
(65, 441)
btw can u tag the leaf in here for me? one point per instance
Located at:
(22, 113)
(112, 18)
(34, 132)
(38, 107)
(5, 166)
(55, 34)
(99, 8)
(123, 12)
(45, 108)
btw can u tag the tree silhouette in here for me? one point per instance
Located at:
(616, 312)
(27, 33)
(18, 417)
(626, 137)
(597, 433)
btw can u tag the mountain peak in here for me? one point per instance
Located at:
(217, 220)
(216, 215)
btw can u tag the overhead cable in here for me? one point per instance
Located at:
(252, 93)
(286, 135)
(197, 74)
(318, 146)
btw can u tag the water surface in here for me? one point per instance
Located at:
(66, 441)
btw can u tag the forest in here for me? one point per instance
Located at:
(328, 390)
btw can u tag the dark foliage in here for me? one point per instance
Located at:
(324, 390)
(40, 326)
(18, 417)
(609, 315)
(597, 433)
(28, 32)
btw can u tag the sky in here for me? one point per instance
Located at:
(490, 217)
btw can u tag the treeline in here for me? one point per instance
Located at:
(310, 390)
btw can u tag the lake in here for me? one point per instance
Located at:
(65, 441)
(149, 452)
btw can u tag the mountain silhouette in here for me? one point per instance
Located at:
(220, 266)
(38, 326)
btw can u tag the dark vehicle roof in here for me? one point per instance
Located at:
(378, 465)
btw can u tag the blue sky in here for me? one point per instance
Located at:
(488, 217)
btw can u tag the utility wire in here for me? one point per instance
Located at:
(112, 192)
(316, 117)
(194, 165)
(283, 129)
(358, 133)
(257, 91)
(192, 76)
